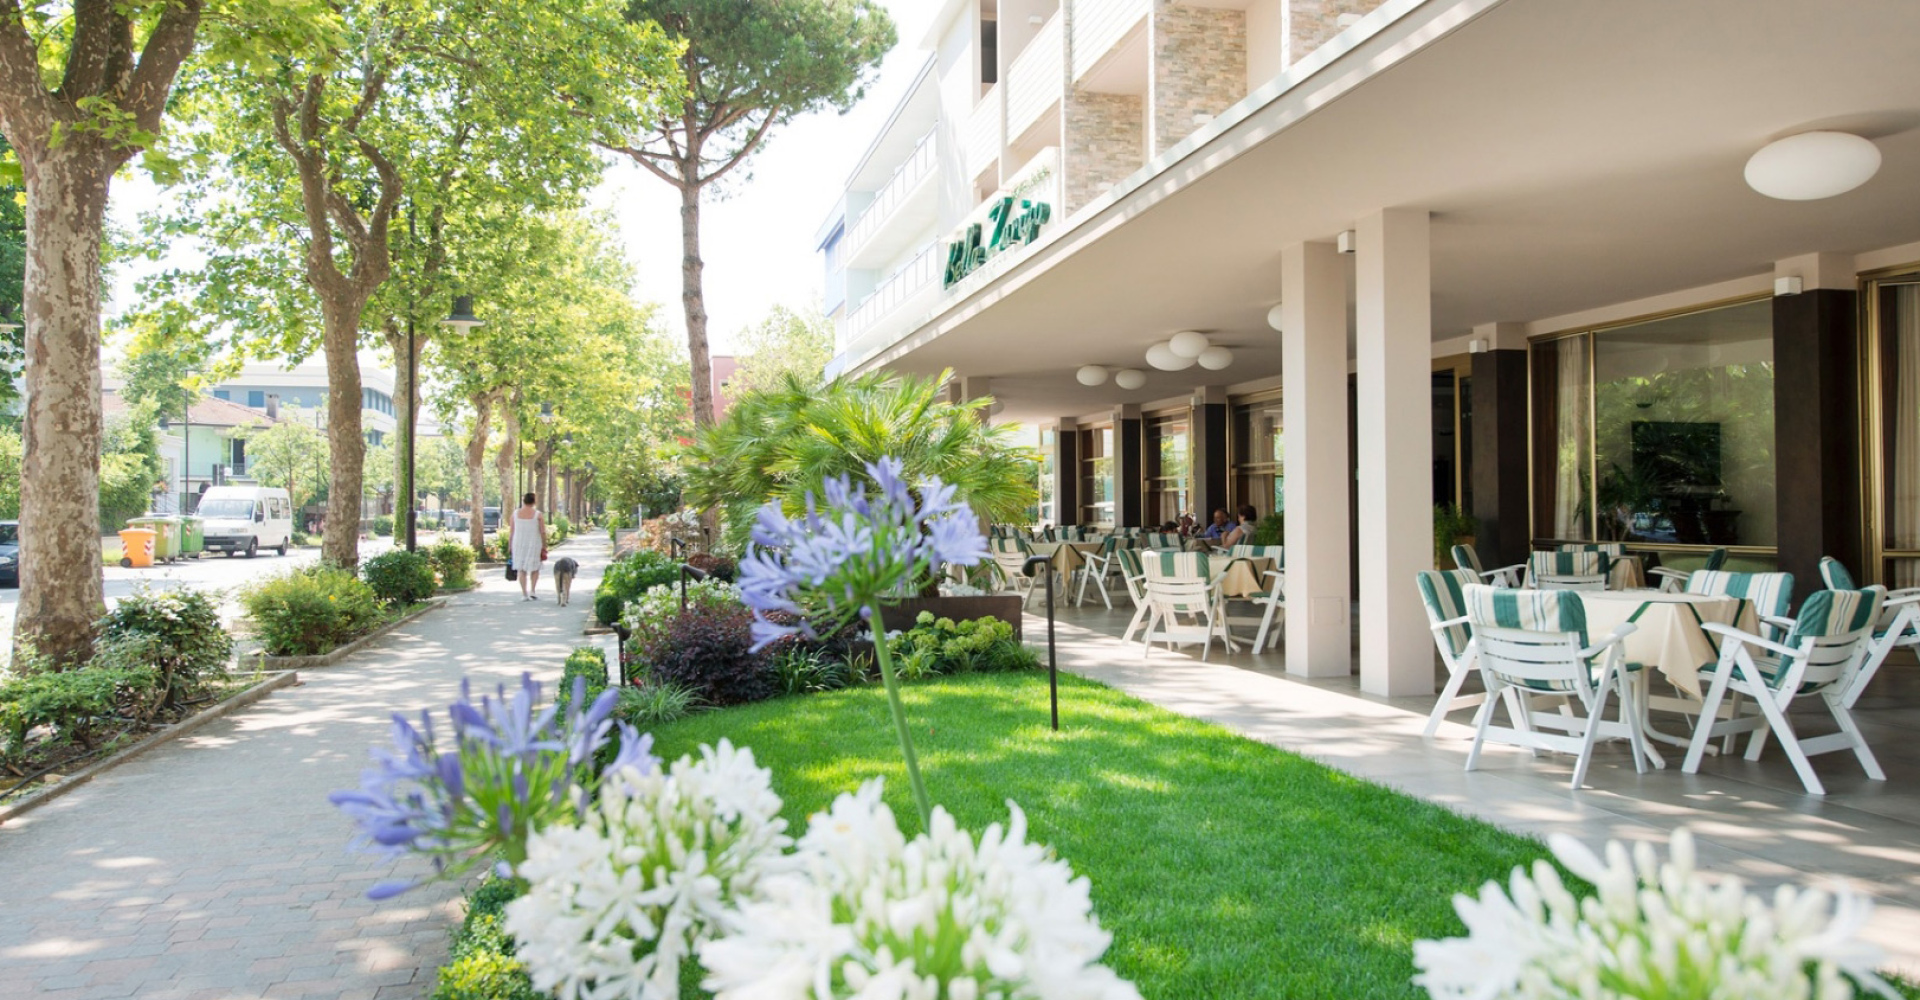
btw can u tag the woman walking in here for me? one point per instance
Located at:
(527, 542)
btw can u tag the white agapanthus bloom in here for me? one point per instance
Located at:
(867, 915)
(1652, 931)
(616, 904)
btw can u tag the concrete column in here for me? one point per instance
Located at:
(1066, 472)
(1209, 455)
(1129, 468)
(1500, 424)
(1394, 352)
(1313, 351)
(1816, 420)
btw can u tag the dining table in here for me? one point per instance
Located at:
(1246, 576)
(1067, 558)
(1667, 636)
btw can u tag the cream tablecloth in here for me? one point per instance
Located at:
(1668, 636)
(1246, 576)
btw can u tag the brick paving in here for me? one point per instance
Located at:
(213, 868)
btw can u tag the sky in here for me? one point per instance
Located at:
(757, 238)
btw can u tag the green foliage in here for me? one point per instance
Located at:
(648, 617)
(178, 632)
(801, 668)
(291, 455)
(453, 560)
(383, 525)
(126, 488)
(311, 611)
(943, 646)
(786, 342)
(1450, 525)
(783, 443)
(607, 606)
(399, 576)
(710, 651)
(1272, 530)
(589, 664)
(482, 965)
(627, 578)
(655, 703)
(72, 702)
(9, 473)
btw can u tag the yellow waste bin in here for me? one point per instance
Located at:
(136, 547)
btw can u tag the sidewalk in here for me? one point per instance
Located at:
(214, 867)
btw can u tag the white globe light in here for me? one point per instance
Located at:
(1091, 375)
(1215, 358)
(1273, 317)
(1162, 357)
(1188, 344)
(1812, 165)
(994, 408)
(1129, 378)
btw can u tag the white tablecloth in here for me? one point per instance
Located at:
(1668, 635)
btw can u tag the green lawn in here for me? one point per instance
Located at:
(1223, 867)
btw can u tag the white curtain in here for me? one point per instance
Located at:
(1575, 438)
(1904, 475)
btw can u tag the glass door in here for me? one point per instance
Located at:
(1893, 400)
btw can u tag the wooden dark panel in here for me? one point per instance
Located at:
(1817, 426)
(1500, 456)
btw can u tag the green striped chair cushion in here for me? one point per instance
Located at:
(1716, 559)
(1130, 562)
(1567, 562)
(1444, 594)
(1168, 562)
(1836, 612)
(1770, 593)
(1528, 610)
(1834, 574)
(1613, 550)
(1164, 540)
(1277, 553)
(1466, 558)
(1011, 544)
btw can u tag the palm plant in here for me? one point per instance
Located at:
(782, 442)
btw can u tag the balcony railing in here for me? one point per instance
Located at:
(918, 166)
(1098, 26)
(983, 133)
(1035, 78)
(913, 276)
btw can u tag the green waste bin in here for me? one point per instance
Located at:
(193, 536)
(166, 535)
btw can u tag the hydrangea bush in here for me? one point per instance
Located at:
(1652, 931)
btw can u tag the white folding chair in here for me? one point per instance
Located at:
(1184, 602)
(1464, 557)
(1535, 643)
(1674, 581)
(1098, 567)
(1567, 570)
(1271, 600)
(1822, 655)
(1897, 628)
(1135, 577)
(1443, 595)
(1010, 560)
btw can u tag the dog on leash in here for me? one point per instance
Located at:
(564, 569)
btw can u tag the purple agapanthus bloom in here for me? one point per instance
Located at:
(850, 549)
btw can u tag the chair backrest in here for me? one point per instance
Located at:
(1444, 594)
(1715, 559)
(1613, 550)
(1013, 544)
(1012, 563)
(1770, 593)
(1829, 637)
(1163, 540)
(1173, 563)
(1834, 574)
(1464, 557)
(1530, 637)
(1130, 562)
(1568, 569)
(1185, 594)
(1277, 553)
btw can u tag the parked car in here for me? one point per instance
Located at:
(9, 553)
(247, 519)
(491, 516)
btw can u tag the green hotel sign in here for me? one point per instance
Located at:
(1007, 227)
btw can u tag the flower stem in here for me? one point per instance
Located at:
(892, 683)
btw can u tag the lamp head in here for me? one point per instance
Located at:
(462, 318)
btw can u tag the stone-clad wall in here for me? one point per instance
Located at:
(1311, 22)
(1199, 66)
(1105, 141)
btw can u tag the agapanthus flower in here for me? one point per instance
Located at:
(866, 913)
(851, 549)
(616, 904)
(1651, 931)
(513, 767)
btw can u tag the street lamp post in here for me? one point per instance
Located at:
(460, 320)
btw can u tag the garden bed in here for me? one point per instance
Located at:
(338, 653)
(129, 741)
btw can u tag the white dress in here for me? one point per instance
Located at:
(526, 543)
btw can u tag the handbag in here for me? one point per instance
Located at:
(512, 574)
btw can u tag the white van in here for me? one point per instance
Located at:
(246, 519)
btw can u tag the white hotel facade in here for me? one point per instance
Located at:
(1500, 253)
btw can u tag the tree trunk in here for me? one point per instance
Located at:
(694, 298)
(476, 475)
(60, 580)
(347, 449)
(406, 411)
(504, 463)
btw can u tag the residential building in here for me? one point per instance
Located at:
(205, 446)
(1507, 255)
(305, 385)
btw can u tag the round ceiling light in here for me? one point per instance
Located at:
(1215, 358)
(1813, 165)
(1188, 344)
(1162, 357)
(1129, 378)
(1091, 375)
(1273, 317)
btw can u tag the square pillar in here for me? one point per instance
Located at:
(1816, 432)
(1209, 455)
(1066, 473)
(1500, 424)
(1393, 315)
(1129, 466)
(1313, 351)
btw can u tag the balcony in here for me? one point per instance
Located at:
(1099, 26)
(914, 278)
(984, 137)
(1035, 78)
(900, 211)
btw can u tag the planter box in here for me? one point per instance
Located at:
(1004, 607)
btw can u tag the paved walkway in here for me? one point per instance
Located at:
(214, 868)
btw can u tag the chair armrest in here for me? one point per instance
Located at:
(1449, 623)
(1748, 638)
(1614, 638)
(1785, 623)
(1678, 574)
(1275, 574)
(1901, 598)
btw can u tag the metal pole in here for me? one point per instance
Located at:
(186, 454)
(413, 391)
(1044, 564)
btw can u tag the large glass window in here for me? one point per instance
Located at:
(1049, 503)
(1169, 469)
(1259, 456)
(1659, 433)
(1895, 363)
(1096, 476)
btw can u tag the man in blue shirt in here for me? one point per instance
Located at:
(1222, 524)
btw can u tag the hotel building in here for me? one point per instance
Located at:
(1503, 254)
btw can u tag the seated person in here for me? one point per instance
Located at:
(1170, 528)
(1186, 524)
(1221, 525)
(1242, 533)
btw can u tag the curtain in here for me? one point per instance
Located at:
(1904, 475)
(1573, 399)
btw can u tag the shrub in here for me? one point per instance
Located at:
(606, 607)
(587, 662)
(453, 560)
(399, 577)
(482, 965)
(944, 646)
(71, 702)
(179, 634)
(627, 578)
(311, 611)
(801, 668)
(716, 567)
(1272, 530)
(383, 526)
(711, 652)
(655, 703)
(647, 618)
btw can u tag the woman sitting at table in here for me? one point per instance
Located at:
(1242, 533)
